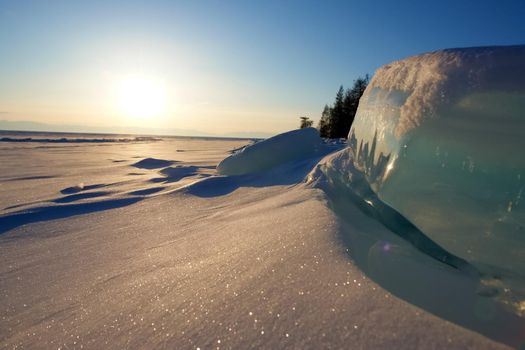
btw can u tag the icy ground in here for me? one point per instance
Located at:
(112, 246)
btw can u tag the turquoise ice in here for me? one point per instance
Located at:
(440, 138)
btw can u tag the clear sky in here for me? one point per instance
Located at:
(219, 67)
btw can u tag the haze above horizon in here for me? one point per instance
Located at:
(217, 68)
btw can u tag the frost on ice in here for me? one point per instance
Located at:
(440, 138)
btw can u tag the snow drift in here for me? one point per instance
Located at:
(263, 155)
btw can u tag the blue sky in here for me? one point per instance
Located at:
(224, 66)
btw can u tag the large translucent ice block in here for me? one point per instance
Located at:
(441, 139)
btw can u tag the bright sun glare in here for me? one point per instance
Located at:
(141, 97)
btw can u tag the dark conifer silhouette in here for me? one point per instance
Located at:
(306, 122)
(338, 116)
(324, 122)
(336, 120)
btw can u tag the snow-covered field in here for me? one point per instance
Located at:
(144, 245)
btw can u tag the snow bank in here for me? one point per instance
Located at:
(266, 154)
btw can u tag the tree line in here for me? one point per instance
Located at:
(337, 119)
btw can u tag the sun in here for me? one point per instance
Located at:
(141, 97)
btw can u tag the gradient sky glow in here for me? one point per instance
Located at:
(227, 66)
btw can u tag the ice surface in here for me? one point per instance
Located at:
(440, 138)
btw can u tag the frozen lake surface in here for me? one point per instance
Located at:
(141, 244)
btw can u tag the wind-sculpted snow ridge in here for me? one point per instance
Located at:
(439, 138)
(263, 155)
(152, 163)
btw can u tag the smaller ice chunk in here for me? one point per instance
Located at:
(264, 155)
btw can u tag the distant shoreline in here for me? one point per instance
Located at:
(61, 137)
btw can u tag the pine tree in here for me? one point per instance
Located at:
(305, 122)
(337, 115)
(324, 122)
(351, 102)
(336, 120)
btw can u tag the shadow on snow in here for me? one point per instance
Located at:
(54, 212)
(287, 174)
